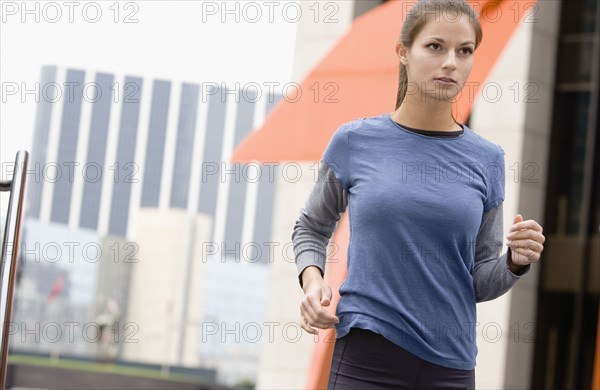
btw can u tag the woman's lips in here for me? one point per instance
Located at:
(445, 81)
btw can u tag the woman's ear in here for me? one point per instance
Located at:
(401, 50)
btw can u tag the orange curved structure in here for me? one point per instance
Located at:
(362, 64)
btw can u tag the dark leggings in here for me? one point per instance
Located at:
(363, 359)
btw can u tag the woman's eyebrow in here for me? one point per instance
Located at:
(442, 41)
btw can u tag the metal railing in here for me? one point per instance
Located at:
(8, 268)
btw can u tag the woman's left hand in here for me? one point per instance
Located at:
(525, 241)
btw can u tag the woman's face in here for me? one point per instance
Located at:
(443, 49)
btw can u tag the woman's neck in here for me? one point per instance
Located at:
(426, 116)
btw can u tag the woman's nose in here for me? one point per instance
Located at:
(450, 60)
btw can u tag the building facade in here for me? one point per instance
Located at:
(143, 166)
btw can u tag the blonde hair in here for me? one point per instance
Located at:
(417, 18)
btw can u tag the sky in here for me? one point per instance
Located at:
(192, 41)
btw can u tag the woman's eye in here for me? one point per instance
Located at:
(467, 50)
(433, 44)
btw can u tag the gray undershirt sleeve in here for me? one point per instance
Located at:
(318, 220)
(492, 276)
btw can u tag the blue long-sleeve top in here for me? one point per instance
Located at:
(425, 213)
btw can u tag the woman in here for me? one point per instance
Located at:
(425, 195)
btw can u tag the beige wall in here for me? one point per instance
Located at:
(531, 196)
(522, 128)
(156, 294)
(285, 362)
(501, 122)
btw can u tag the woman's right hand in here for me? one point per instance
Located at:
(317, 294)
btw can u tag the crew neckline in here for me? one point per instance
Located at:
(417, 133)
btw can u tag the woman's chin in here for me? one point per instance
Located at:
(444, 96)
